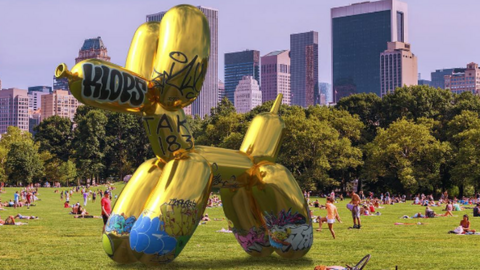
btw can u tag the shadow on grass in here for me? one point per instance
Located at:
(268, 262)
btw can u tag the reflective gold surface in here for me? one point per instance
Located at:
(108, 86)
(176, 204)
(169, 133)
(182, 56)
(230, 167)
(130, 203)
(161, 206)
(143, 49)
(280, 196)
(246, 221)
(264, 136)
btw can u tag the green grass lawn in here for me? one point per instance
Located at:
(58, 241)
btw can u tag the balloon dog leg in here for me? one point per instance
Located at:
(245, 220)
(173, 210)
(285, 211)
(127, 209)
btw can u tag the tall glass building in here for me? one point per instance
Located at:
(238, 65)
(303, 68)
(209, 95)
(360, 33)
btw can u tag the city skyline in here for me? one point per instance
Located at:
(433, 24)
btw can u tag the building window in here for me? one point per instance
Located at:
(400, 26)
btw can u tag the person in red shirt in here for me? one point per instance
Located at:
(106, 208)
(29, 199)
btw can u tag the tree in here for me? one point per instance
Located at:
(463, 134)
(225, 127)
(13, 135)
(405, 157)
(90, 143)
(317, 153)
(367, 107)
(126, 144)
(55, 135)
(67, 172)
(413, 102)
(50, 165)
(23, 162)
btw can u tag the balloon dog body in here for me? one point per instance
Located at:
(162, 204)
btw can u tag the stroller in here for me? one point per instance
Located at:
(359, 266)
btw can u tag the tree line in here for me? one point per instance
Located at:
(416, 139)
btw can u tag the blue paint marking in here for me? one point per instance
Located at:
(146, 236)
(117, 223)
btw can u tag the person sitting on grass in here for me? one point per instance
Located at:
(476, 210)
(465, 223)
(457, 207)
(429, 213)
(82, 213)
(449, 209)
(9, 221)
(75, 209)
(205, 217)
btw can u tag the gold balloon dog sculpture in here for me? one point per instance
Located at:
(162, 204)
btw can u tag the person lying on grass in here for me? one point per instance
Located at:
(20, 216)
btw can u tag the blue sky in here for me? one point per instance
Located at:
(35, 36)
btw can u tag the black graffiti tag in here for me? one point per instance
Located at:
(103, 83)
(184, 80)
(182, 203)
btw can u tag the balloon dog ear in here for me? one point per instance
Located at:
(182, 56)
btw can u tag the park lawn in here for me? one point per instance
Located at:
(58, 241)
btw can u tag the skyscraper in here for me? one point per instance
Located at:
(276, 76)
(238, 65)
(247, 94)
(209, 95)
(304, 68)
(398, 67)
(13, 109)
(360, 32)
(93, 48)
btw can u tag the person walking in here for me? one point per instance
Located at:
(106, 208)
(332, 214)
(85, 197)
(29, 199)
(355, 202)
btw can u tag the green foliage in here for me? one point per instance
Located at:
(55, 135)
(90, 143)
(415, 139)
(126, 144)
(67, 172)
(405, 157)
(23, 162)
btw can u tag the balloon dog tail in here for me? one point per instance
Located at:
(264, 136)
